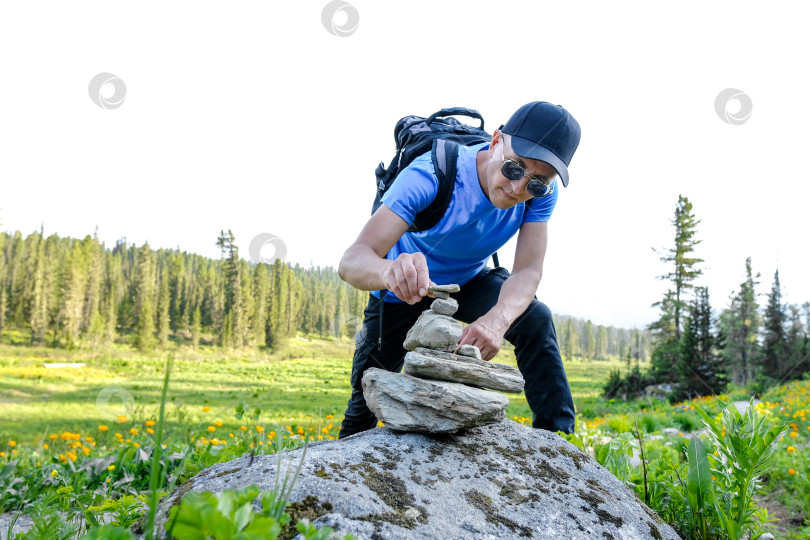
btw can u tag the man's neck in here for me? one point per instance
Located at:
(481, 161)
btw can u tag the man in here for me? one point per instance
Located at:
(527, 159)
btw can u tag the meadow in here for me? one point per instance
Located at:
(54, 422)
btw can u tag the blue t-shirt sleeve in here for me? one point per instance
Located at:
(413, 190)
(541, 209)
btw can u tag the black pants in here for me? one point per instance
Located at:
(532, 334)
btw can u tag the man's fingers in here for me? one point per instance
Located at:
(423, 278)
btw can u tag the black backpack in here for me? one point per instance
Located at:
(441, 136)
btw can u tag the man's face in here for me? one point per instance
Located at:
(502, 192)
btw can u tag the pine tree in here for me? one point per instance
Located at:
(72, 294)
(740, 325)
(685, 269)
(700, 369)
(233, 307)
(145, 284)
(667, 329)
(795, 345)
(39, 308)
(195, 327)
(774, 364)
(93, 254)
(601, 342)
(164, 301)
(588, 342)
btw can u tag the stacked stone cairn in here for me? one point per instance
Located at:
(442, 386)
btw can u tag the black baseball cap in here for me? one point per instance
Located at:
(545, 132)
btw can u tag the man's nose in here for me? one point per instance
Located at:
(519, 186)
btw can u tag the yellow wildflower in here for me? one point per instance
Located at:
(54, 473)
(206, 408)
(122, 419)
(329, 416)
(794, 434)
(12, 443)
(150, 423)
(218, 423)
(791, 449)
(243, 428)
(45, 446)
(260, 429)
(212, 428)
(111, 468)
(791, 472)
(102, 427)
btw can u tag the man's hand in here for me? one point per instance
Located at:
(483, 335)
(407, 277)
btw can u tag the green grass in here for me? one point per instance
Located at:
(300, 384)
(289, 390)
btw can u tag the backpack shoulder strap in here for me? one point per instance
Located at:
(444, 155)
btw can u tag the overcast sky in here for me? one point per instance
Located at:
(254, 116)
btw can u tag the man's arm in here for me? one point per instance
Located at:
(516, 293)
(365, 267)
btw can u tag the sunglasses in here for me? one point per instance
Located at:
(536, 187)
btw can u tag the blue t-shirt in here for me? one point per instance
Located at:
(472, 228)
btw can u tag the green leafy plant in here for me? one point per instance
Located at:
(746, 449)
(124, 511)
(108, 532)
(229, 515)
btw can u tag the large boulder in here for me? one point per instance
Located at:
(406, 403)
(499, 481)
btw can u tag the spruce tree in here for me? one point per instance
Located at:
(39, 308)
(144, 287)
(588, 341)
(164, 301)
(774, 354)
(233, 307)
(740, 325)
(795, 341)
(684, 270)
(196, 327)
(700, 369)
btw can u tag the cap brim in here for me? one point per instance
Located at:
(531, 150)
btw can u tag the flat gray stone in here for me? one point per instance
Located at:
(441, 295)
(469, 350)
(405, 403)
(425, 364)
(444, 306)
(434, 331)
(499, 481)
(453, 287)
